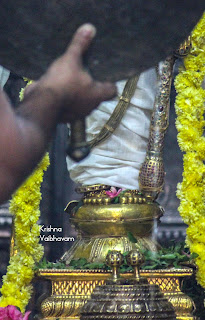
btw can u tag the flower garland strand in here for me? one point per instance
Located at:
(16, 289)
(190, 107)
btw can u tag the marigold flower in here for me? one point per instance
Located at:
(190, 107)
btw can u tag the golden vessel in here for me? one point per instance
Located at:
(105, 227)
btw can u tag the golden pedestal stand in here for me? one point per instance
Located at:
(71, 290)
(104, 226)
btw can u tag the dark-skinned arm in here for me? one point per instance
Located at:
(62, 94)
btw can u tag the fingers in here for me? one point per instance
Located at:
(81, 40)
(29, 88)
(104, 91)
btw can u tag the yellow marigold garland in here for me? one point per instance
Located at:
(16, 289)
(190, 107)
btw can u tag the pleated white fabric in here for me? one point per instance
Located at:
(117, 160)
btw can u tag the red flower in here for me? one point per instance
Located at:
(12, 313)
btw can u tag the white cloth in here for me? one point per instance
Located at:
(117, 160)
(4, 75)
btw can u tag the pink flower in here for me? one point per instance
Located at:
(12, 313)
(113, 192)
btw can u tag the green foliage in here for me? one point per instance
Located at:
(174, 256)
(44, 264)
(131, 237)
(83, 264)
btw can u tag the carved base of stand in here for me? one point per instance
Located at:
(95, 249)
(71, 289)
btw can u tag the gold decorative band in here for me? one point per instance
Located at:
(109, 128)
(127, 100)
(118, 113)
(91, 188)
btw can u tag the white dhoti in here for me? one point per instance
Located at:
(117, 160)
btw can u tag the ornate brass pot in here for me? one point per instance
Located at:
(116, 219)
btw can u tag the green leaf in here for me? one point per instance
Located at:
(123, 192)
(152, 256)
(116, 199)
(183, 258)
(125, 269)
(150, 267)
(194, 255)
(131, 237)
(169, 256)
(93, 266)
(176, 265)
(125, 253)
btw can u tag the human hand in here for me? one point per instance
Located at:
(75, 91)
